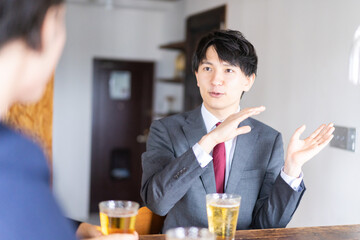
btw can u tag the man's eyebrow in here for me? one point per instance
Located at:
(228, 64)
(206, 62)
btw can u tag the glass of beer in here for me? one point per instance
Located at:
(181, 233)
(118, 216)
(222, 214)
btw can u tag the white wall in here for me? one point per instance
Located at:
(121, 33)
(303, 49)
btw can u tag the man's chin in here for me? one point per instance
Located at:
(216, 107)
(31, 97)
(221, 106)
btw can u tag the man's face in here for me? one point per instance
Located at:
(221, 84)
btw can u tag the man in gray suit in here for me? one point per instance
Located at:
(178, 167)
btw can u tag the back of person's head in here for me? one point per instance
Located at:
(23, 19)
(231, 46)
(32, 37)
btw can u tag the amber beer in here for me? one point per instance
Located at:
(222, 212)
(118, 216)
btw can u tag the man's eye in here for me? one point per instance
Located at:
(229, 70)
(207, 69)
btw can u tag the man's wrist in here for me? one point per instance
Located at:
(202, 157)
(207, 142)
(292, 169)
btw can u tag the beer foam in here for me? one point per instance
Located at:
(120, 213)
(224, 204)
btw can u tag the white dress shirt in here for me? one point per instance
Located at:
(203, 158)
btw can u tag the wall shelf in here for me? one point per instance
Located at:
(174, 46)
(171, 80)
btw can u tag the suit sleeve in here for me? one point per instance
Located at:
(165, 179)
(277, 201)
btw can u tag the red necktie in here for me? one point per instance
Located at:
(219, 161)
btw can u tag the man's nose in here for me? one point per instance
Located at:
(217, 79)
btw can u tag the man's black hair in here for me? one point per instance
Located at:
(23, 19)
(231, 46)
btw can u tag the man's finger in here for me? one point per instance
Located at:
(98, 228)
(250, 110)
(326, 142)
(324, 131)
(326, 136)
(316, 132)
(247, 115)
(243, 130)
(260, 108)
(242, 115)
(298, 132)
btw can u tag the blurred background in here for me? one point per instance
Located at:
(127, 62)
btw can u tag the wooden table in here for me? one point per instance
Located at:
(306, 233)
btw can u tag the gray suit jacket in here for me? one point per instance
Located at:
(174, 184)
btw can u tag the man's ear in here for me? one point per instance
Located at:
(197, 81)
(249, 82)
(48, 28)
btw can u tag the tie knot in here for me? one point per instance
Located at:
(218, 123)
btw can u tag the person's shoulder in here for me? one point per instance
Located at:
(176, 119)
(16, 145)
(263, 128)
(10, 137)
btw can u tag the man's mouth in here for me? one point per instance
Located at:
(216, 94)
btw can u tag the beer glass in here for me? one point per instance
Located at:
(118, 216)
(193, 233)
(222, 214)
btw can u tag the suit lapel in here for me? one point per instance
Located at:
(194, 129)
(242, 154)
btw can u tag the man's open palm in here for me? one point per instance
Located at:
(300, 151)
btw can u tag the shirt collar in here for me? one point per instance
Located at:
(209, 119)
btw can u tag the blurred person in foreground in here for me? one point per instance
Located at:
(180, 165)
(32, 37)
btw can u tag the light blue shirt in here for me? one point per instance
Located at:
(204, 158)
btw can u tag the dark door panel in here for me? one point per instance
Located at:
(122, 102)
(197, 26)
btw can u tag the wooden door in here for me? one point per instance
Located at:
(122, 102)
(197, 26)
